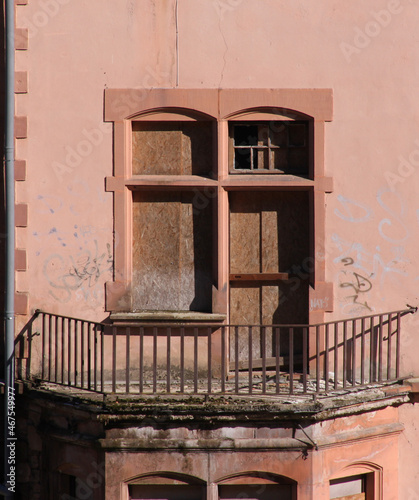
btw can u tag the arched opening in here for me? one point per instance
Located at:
(166, 486)
(357, 481)
(257, 485)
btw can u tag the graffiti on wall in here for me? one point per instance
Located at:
(363, 270)
(75, 262)
(79, 272)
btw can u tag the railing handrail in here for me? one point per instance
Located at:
(183, 324)
(72, 318)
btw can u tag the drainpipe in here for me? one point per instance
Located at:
(9, 361)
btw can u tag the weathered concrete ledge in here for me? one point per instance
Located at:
(224, 409)
(285, 443)
(178, 317)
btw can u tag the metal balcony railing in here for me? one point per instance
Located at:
(211, 359)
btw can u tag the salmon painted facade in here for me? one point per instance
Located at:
(216, 276)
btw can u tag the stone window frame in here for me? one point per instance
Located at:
(372, 473)
(123, 106)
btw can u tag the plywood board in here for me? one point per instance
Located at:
(270, 231)
(245, 312)
(172, 252)
(156, 149)
(244, 233)
(172, 148)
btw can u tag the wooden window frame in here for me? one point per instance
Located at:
(269, 147)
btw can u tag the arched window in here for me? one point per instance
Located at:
(257, 485)
(358, 481)
(166, 486)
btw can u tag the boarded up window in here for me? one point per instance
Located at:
(269, 233)
(172, 148)
(172, 253)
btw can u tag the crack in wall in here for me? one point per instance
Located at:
(224, 53)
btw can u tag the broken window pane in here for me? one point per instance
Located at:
(276, 146)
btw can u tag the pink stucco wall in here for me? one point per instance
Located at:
(366, 52)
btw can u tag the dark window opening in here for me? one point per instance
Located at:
(275, 147)
(166, 492)
(256, 492)
(68, 485)
(348, 488)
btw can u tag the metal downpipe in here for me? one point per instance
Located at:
(9, 310)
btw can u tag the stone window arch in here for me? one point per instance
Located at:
(256, 485)
(364, 475)
(164, 485)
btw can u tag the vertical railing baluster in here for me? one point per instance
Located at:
(380, 349)
(62, 349)
(113, 358)
(82, 361)
(49, 347)
(168, 360)
(236, 358)
(28, 359)
(43, 327)
(141, 361)
(209, 371)
(102, 355)
(223, 359)
(154, 360)
(277, 361)
(398, 346)
(77, 356)
(317, 359)
(336, 357)
(389, 363)
(263, 347)
(326, 360)
(127, 358)
(353, 353)
(195, 355)
(250, 360)
(362, 351)
(89, 355)
(182, 360)
(95, 363)
(69, 322)
(291, 359)
(56, 350)
(345, 353)
(372, 350)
